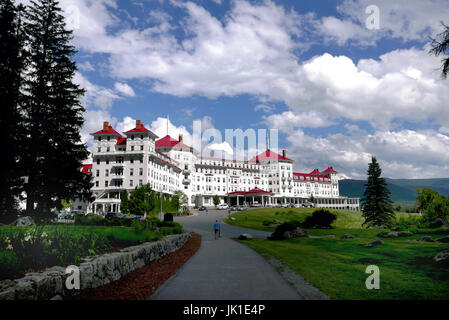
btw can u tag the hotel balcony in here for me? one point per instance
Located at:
(118, 165)
(186, 172)
(186, 181)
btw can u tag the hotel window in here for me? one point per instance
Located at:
(131, 161)
(141, 137)
(108, 148)
(140, 182)
(130, 183)
(132, 137)
(99, 138)
(96, 183)
(109, 138)
(99, 149)
(98, 173)
(106, 183)
(140, 171)
(107, 161)
(131, 171)
(132, 148)
(107, 173)
(98, 161)
(141, 148)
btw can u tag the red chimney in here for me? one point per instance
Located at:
(138, 124)
(284, 154)
(180, 138)
(105, 126)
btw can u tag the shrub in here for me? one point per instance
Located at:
(321, 219)
(268, 222)
(278, 233)
(404, 223)
(9, 265)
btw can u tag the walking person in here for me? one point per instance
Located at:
(217, 229)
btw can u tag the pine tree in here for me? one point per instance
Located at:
(54, 114)
(376, 203)
(12, 61)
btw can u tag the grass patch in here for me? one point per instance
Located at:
(337, 267)
(255, 218)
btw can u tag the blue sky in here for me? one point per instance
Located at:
(337, 91)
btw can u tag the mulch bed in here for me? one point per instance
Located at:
(141, 283)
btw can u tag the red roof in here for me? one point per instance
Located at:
(86, 168)
(168, 141)
(329, 170)
(142, 129)
(109, 131)
(252, 191)
(315, 172)
(269, 155)
(121, 142)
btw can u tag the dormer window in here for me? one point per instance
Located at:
(132, 137)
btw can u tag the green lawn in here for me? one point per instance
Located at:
(337, 266)
(254, 218)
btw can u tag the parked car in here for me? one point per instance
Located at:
(222, 206)
(256, 204)
(114, 215)
(234, 208)
(242, 208)
(308, 204)
(137, 217)
(202, 208)
(292, 205)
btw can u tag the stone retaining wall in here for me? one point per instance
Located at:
(93, 271)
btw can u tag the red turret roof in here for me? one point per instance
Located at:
(109, 131)
(269, 155)
(168, 141)
(315, 172)
(86, 168)
(141, 129)
(329, 170)
(121, 142)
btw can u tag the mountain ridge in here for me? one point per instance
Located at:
(401, 189)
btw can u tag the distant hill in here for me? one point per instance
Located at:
(401, 189)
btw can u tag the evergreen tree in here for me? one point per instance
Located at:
(54, 114)
(440, 46)
(12, 61)
(376, 203)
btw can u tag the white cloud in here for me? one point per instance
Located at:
(403, 19)
(402, 154)
(264, 108)
(224, 146)
(86, 66)
(96, 96)
(287, 121)
(124, 89)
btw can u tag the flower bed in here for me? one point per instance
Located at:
(24, 249)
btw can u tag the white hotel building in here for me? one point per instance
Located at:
(167, 164)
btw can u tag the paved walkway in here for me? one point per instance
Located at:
(224, 269)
